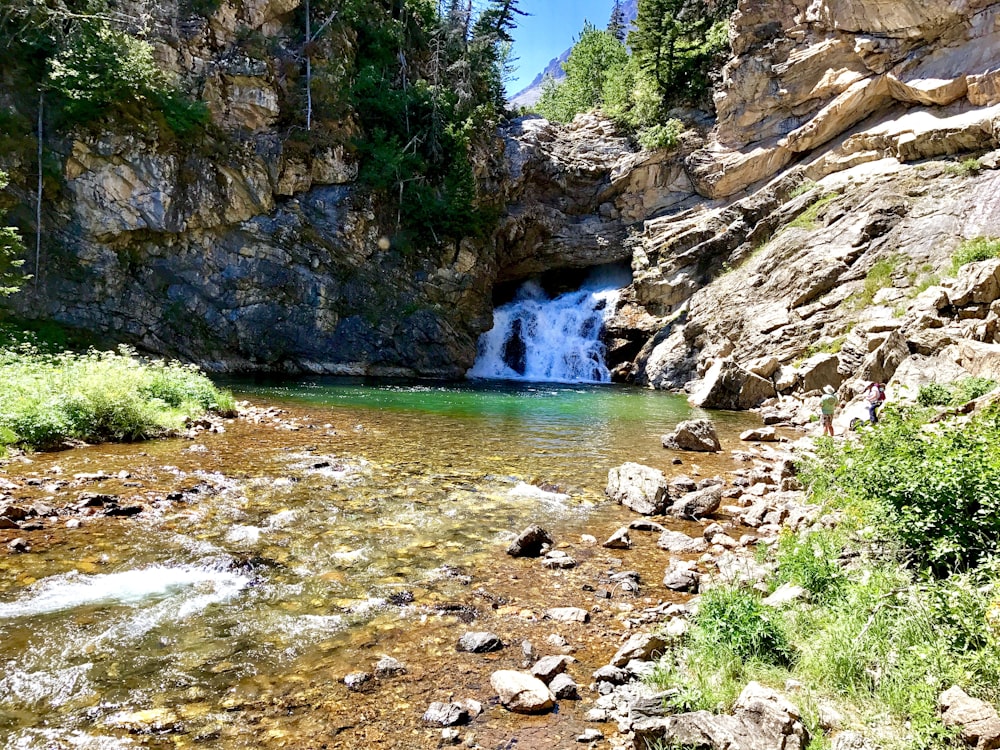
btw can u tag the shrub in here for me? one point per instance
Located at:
(970, 251)
(807, 219)
(955, 394)
(733, 621)
(879, 277)
(811, 562)
(662, 136)
(49, 398)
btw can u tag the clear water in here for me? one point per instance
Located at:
(373, 524)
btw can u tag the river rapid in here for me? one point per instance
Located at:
(275, 558)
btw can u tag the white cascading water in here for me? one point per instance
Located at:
(557, 340)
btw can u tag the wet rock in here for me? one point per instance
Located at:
(479, 643)
(153, 720)
(591, 735)
(19, 545)
(389, 667)
(124, 511)
(567, 614)
(644, 646)
(760, 434)
(977, 721)
(546, 668)
(558, 559)
(445, 714)
(681, 485)
(6, 523)
(358, 681)
(611, 674)
(401, 598)
(693, 435)
(530, 542)
(640, 488)
(681, 576)
(95, 500)
(563, 687)
(675, 541)
(619, 540)
(698, 503)
(450, 736)
(626, 580)
(644, 524)
(13, 512)
(522, 693)
(74, 523)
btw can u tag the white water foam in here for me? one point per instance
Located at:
(554, 340)
(45, 739)
(72, 590)
(523, 489)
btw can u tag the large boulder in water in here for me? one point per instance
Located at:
(693, 435)
(530, 542)
(640, 488)
(522, 693)
(698, 503)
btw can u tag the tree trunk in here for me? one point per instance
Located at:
(309, 96)
(38, 199)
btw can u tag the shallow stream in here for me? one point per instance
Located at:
(275, 559)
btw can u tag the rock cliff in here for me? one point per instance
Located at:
(779, 247)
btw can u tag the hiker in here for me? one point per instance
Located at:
(874, 394)
(827, 406)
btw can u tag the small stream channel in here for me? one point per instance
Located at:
(272, 560)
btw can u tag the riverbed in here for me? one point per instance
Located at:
(356, 520)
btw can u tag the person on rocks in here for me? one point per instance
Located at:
(827, 407)
(874, 394)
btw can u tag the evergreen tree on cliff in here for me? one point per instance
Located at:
(616, 26)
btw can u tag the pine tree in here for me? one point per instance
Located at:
(616, 26)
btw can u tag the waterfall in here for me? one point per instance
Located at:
(538, 338)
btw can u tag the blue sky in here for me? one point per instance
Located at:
(549, 31)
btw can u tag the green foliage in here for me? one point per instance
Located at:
(807, 219)
(812, 562)
(666, 135)
(879, 276)
(732, 621)
(49, 398)
(801, 189)
(597, 59)
(11, 248)
(939, 490)
(680, 43)
(970, 251)
(955, 394)
(965, 167)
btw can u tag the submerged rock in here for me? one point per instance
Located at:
(530, 542)
(479, 643)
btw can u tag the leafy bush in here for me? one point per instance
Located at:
(811, 562)
(666, 135)
(733, 621)
(955, 394)
(48, 398)
(970, 251)
(938, 489)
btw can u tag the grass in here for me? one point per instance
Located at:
(965, 168)
(48, 398)
(970, 251)
(879, 277)
(802, 188)
(807, 219)
(904, 592)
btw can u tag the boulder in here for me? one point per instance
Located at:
(693, 435)
(760, 434)
(880, 365)
(640, 488)
(976, 284)
(522, 693)
(698, 503)
(564, 688)
(976, 720)
(445, 714)
(726, 385)
(979, 359)
(530, 542)
(567, 614)
(918, 370)
(676, 541)
(389, 667)
(761, 720)
(820, 370)
(479, 643)
(643, 646)
(619, 540)
(681, 576)
(546, 668)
